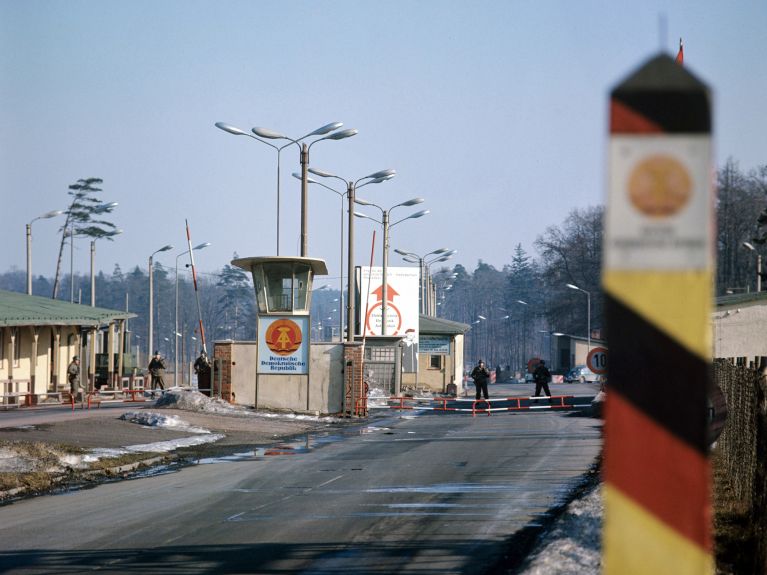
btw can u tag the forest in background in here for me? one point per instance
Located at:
(512, 311)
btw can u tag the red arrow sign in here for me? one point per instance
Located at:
(390, 293)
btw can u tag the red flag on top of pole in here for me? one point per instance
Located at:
(680, 54)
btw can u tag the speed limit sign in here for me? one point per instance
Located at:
(597, 360)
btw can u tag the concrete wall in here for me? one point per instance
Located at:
(319, 392)
(739, 330)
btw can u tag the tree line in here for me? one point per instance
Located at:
(513, 311)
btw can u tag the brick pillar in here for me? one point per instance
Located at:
(355, 394)
(222, 370)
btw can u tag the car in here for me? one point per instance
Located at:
(581, 374)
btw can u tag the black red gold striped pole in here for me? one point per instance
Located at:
(658, 281)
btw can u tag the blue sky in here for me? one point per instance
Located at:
(495, 112)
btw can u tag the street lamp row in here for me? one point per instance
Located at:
(351, 189)
(424, 264)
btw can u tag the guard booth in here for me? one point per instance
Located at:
(283, 286)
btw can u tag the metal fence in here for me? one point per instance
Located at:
(743, 436)
(741, 452)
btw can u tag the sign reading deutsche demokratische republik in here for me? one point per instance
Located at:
(402, 295)
(283, 345)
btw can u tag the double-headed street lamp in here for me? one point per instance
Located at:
(175, 331)
(351, 188)
(443, 254)
(751, 247)
(588, 314)
(384, 221)
(166, 248)
(45, 216)
(304, 149)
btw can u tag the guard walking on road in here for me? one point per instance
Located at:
(542, 377)
(73, 376)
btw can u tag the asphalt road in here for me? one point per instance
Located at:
(428, 493)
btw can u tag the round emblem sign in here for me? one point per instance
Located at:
(660, 186)
(597, 360)
(283, 337)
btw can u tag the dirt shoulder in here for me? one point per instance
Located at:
(54, 453)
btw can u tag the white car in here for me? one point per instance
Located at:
(581, 374)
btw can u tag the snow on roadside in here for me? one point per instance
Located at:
(574, 544)
(192, 400)
(151, 419)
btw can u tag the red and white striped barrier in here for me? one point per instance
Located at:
(478, 405)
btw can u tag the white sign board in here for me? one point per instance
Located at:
(283, 344)
(658, 203)
(402, 309)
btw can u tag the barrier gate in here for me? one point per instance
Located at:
(484, 406)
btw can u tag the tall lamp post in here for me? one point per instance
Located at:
(751, 247)
(93, 261)
(341, 196)
(588, 313)
(415, 258)
(384, 221)
(351, 188)
(150, 341)
(45, 216)
(99, 209)
(175, 321)
(431, 294)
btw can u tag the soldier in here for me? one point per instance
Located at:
(157, 369)
(203, 371)
(480, 374)
(73, 376)
(542, 376)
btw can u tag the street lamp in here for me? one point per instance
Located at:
(150, 342)
(588, 313)
(238, 132)
(751, 247)
(45, 216)
(341, 196)
(99, 209)
(351, 188)
(424, 279)
(93, 260)
(304, 148)
(175, 339)
(386, 226)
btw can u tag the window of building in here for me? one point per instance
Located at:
(2, 346)
(435, 362)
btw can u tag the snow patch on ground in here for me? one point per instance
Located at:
(193, 400)
(574, 545)
(151, 419)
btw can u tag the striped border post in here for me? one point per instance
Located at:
(658, 280)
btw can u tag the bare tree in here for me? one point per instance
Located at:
(740, 199)
(572, 254)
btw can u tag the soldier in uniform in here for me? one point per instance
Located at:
(157, 369)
